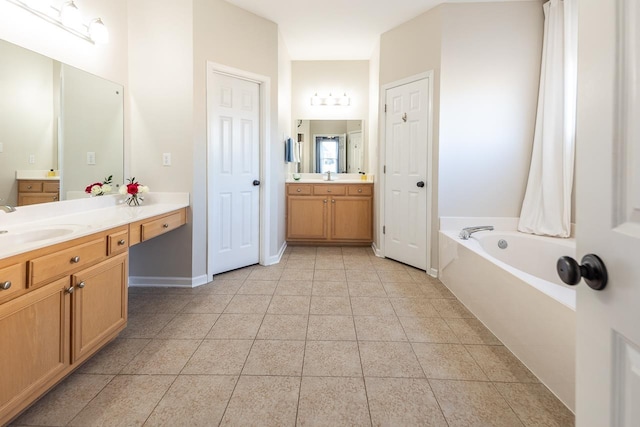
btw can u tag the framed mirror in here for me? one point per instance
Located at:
(338, 146)
(54, 116)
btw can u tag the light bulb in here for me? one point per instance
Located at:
(98, 31)
(70, 15)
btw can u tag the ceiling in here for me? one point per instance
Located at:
(337, 29)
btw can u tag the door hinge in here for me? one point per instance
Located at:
(384, 229)
(384, 169)
(385, 108)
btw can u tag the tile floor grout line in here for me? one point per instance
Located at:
(364, 381)
(226, 407)
(90, 400)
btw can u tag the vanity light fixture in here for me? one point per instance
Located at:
(69, 18)
(339, 101)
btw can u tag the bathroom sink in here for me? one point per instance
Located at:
(31, 236)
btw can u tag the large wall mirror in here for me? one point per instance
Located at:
(337, 146)
(54, 116)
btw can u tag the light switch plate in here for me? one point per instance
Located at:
(166, 159)
(91, 157)
(32, 159)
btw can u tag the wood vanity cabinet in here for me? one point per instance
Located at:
(74, 302)
(33, 191)
(330, 213)
(64, 303)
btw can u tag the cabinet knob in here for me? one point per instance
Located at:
(333, 200)
(81, 285)
(299, 190)
(75, 259)
(328, 191)
(69, 290)
(165, 225)
(359, 190)
(324, 201)
(4, 286)
(121, 242)
(29, 187)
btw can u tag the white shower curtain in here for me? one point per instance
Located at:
(546, 208)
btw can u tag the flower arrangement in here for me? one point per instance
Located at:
(133, 191)
(100, 188)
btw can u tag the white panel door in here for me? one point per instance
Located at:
(406, 213)
(234, 172)
(608, 212)
(355, 153)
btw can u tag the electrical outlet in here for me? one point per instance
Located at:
(91, 157)
(32, 159)
(166, 159)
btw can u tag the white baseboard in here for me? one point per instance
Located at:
(276, 258)
(433, 272)
(376, 251)
(167, 282)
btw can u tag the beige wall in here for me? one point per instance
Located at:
(412, 48)
(168, 85)
(490, 75)
(228, 35)
(486, 63)
(335, 77)
(161, 121)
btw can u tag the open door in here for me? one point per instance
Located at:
(608, 212)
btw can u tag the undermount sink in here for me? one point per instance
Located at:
(37, 235)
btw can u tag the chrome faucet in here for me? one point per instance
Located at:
(328, 175)
(7, 208)
(468, 231)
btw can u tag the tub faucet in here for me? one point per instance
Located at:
(468, 231)
(7, 208)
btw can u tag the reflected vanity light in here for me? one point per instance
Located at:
(338, 101)
(69, 18)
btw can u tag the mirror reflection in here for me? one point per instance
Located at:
(337, 146)
(55, 117)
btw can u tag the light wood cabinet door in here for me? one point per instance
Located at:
(35, 328)
(99, 305)
(307, 217)
(351, 218)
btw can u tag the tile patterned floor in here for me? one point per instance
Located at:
(328, 337)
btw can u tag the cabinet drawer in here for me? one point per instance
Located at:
(30, 186)
(335, 190)
(359, 190)
(298, 189)
(117, 242)
(160, 226)
(51, 187)
(13, 276)
(60, 263)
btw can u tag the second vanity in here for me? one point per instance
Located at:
(63, 290)
(330, 212)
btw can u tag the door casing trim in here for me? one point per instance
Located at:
(380, 247)
(264, 83)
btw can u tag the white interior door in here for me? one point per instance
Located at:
(406, 135)
(355, 152)
(233, 110)
(608, 212)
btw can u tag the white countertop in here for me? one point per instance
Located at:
(80, 218)
(322, 181)
(318, 178)
(40, 175)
